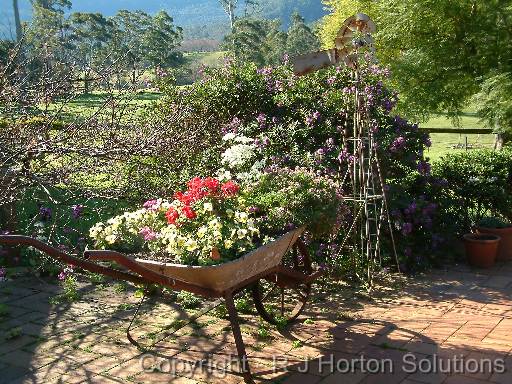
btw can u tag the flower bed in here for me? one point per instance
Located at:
(206, 224)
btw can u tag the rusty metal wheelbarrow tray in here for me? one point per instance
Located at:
(219, 281)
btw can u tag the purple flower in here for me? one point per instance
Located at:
(261, 119)
(76, 211)
(320, 152)
(148, 234)
(265, 71)
(407, 228)
(331, 80)
(3, 273)
(310, 120)
(286, 59)
(424, 168)
(45, 213)
(427, 142)
(62, 276)
(398, 144)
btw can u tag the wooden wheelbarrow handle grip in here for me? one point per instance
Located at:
(69, 259)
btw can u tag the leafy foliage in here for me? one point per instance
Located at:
(438, 51)
(494, 102)
(475, 184)
(287, 198)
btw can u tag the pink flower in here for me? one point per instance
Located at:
(150, 204)
(148, 234)
(62, 276)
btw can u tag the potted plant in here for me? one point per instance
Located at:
(498, 227)
(481, 249)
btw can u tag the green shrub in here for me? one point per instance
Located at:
(475, 184)
(291, 198)
(493, 222)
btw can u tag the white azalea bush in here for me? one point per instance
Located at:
(207, 224)
(242, 158)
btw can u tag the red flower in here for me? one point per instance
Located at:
(189, 213)
(195, 183)
(172, 215)
(211, 184)
(230, 188)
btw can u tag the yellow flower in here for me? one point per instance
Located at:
(228, 244)
(201, 232)
(191, 245)
(241, 217)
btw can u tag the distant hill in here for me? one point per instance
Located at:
(195, 15)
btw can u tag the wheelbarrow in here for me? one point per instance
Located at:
(278, 271)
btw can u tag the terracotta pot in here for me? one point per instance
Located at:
(481, 249)
(505, 247)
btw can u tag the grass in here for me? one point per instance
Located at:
(210, 59)
(444, 143)
(86, 105)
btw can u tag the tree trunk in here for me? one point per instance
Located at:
(17, 20)
(231, 14)
(498, 142)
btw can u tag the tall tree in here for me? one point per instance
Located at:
(300, 37)
(89, 34)
(161, 39)
(230, 7)
(17, 20)
(440, 51)
(52, 5)
(257, 40)
(127, 41)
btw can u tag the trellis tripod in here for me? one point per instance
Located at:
(361, 180)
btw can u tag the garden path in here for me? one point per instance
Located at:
(445, 313)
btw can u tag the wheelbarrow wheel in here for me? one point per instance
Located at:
(279, 302)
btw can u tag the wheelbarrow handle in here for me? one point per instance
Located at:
(64, 257)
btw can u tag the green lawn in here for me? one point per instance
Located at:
(85, 106)
(444, 143)
(210, 59)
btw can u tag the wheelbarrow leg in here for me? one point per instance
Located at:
(239, 342)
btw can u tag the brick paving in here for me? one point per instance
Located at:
(407, 322)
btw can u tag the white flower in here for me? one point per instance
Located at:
(224, 175)
(238, 155)
(201, 232)
(208, 207)
(111, 239)
(229, 136)
(244, 140)
(228, 244)
(241, 233)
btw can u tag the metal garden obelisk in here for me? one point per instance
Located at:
(361, 178)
